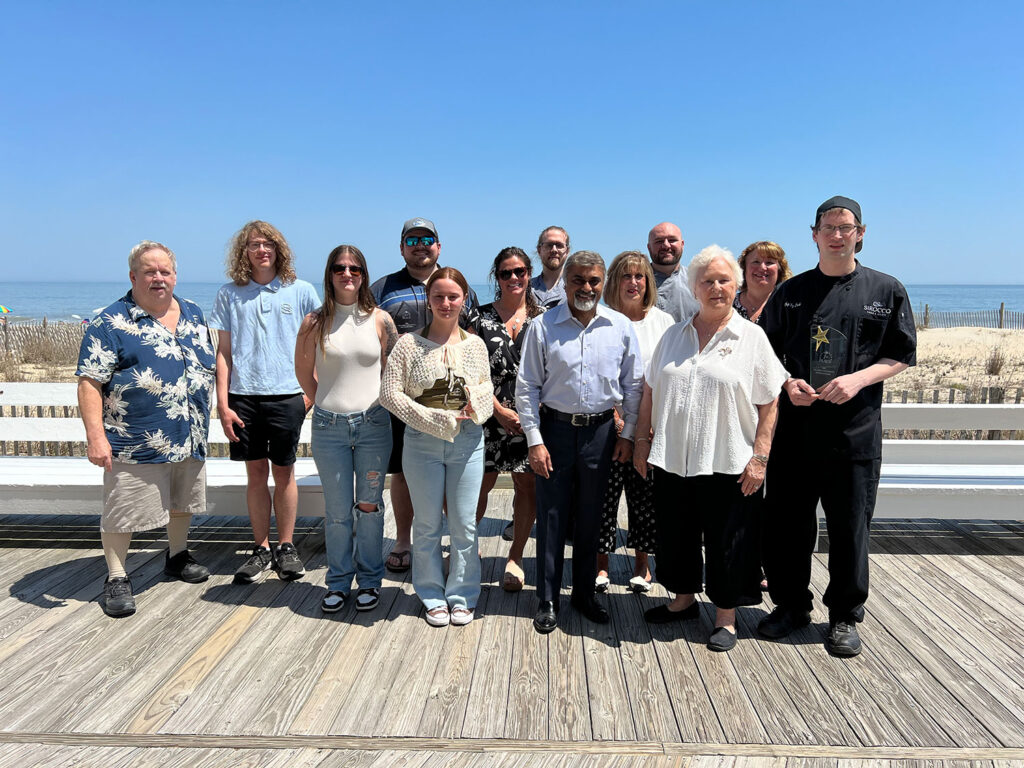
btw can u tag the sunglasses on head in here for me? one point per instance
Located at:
(427, 240)
(505, 274)
(352, 269)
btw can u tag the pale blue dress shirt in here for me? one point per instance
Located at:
(574, 368)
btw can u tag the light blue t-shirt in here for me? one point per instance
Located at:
(263, 321)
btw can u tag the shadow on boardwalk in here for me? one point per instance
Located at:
(203, 671)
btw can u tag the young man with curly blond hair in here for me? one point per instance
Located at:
(261, 405)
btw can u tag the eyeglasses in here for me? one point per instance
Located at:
(843, 229)
(554, 246)
(426, 240)
(636, 277)
(352, 269)
(262, 245)
(505, 274)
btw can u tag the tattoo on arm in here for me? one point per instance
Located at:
(390, 334)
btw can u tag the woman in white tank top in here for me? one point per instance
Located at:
(339, 356)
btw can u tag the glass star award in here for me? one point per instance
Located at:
(828, 351)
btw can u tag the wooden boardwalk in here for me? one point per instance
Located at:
(217, 674)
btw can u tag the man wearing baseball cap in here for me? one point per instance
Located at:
(403, 295)
(840, 329)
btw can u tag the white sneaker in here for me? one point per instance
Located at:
(461, 616)
(639, 584)
(438, 617)
(601, 583)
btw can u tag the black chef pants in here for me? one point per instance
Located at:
(847, 489)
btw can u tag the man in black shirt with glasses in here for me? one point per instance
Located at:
(840, 329)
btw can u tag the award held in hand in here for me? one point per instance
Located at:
(828, 351)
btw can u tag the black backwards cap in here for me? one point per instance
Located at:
(840, 202)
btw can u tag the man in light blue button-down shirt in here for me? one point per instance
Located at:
(579, 361)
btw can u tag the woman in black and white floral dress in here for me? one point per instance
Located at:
(501, 325)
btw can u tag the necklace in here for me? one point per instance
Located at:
(517, 318)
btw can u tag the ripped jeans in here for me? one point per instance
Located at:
(351, 450)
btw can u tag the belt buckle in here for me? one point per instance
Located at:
(580, 420)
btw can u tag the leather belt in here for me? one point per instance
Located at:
(579, 419)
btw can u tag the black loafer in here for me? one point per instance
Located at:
(593, 610)
(721, 640)
(660, 614)
(782, 621)
(547, 617)
(842, 639)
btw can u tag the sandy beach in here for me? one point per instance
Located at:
(960, 358)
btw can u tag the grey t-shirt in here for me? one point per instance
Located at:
(546, 297)
(674, 295)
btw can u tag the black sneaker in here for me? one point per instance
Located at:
(333, 601)
(782, 621)
(185, 567)
(256, 567)
(367, 599)
(287, 563)
(842, 639)
(117, 597)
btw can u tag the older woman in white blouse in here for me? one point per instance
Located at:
(710, 400)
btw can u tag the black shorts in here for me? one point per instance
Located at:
(397, 442)
(272, 427)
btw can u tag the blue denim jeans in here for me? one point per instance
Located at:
(351, 447)
(436, 471)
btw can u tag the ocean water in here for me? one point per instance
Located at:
(32, 301)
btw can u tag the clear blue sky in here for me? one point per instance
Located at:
(180, 121)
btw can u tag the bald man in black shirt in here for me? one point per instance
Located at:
(840, 329)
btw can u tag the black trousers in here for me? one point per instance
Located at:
(847, 489)
(712, 509)
(582, 458)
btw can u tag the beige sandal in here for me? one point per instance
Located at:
(514, 578)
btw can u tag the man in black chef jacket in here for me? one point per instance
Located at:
(840, 329)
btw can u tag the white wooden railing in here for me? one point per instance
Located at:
(920, 478)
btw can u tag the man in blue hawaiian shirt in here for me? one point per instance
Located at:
(146, 376)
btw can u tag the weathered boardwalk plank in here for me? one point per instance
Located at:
(939, 682)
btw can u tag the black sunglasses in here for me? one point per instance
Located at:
(505, 274)
(352, 269)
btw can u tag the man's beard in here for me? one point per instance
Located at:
(584, 305)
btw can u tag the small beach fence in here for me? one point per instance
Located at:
(43, 342)
(981, 318)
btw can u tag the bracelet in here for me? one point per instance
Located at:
(761, 457)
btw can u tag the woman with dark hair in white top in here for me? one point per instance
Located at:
(340, 353)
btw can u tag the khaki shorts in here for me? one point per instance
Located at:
(140, 497)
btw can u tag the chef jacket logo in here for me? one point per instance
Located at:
(792, 304)
(286, 309)
(875, 308)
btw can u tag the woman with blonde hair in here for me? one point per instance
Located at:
(764, 268)
(631, 291)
